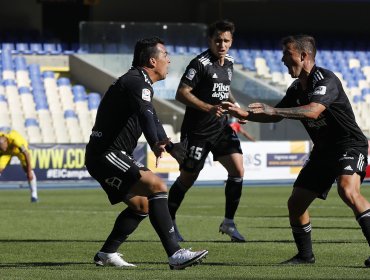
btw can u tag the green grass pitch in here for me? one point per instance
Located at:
(58, 237)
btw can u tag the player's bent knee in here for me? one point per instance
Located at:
(139, 204)
(155, 183)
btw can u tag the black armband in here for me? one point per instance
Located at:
(169, 147)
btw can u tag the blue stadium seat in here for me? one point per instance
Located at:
(41, 105)
(41, 102)
(63, 82)
(194, 50)
(30, 122)
(170, 49)
(358, 99)
(70, 114)
(20, 63)
(180, 49)
(7, 60)
(79, 93)
(52, 48)
(36, 48)
(34, 70)
(5, 129)
(365, 91)
(93, 99)
(9, 47)
(48, 74)
(9, 82)
(22, 90)
(23, 48)
(235, 54)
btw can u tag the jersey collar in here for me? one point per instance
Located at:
(145, 75)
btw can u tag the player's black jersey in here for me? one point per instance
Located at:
(335, 129)
(211, 83)
(125, 112)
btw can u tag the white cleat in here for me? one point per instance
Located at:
(185, 257)
(111, 259)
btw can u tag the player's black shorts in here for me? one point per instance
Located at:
(319, 172)
(115, 171)
(226, 143)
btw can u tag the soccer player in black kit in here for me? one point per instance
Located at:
(125, 112)
(203, 87)
(339, 153)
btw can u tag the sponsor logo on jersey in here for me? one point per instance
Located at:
(229, 73)
(321, 90)
(190, 74)
(145, 94)
(214, 76)
(220, 91)
(220, 87)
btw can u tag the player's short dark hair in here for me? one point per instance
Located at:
(221, 25)
(302, 42)
(144, 50)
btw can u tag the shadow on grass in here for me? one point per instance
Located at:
(141, 265)
(315, 227)
(187, 241)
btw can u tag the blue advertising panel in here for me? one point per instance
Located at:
(58, 162)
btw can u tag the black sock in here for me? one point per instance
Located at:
(175, 197)
(364, 220)
(161, 220)
(302, 238)
(126, 222)
(233, 192)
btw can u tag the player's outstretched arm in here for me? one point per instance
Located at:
(253, 113)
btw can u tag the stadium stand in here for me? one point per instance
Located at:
(40, 106)
(29, 93)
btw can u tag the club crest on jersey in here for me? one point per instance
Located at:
(321, 90)
(191, 73)
(229, 73)
(145, 94)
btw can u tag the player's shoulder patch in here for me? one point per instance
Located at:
(145, 94)
(190, 74)
(320, 90)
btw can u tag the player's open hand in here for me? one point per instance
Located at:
(233, 110)
(261, 108)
